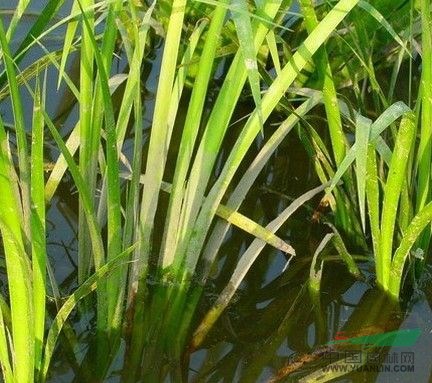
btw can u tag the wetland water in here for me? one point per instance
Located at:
(273, 325)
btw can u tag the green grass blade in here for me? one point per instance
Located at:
(339, 245)
(4, 352)
(373, 202)
(425, 145)
(271, 42)
(392, 192)
(136, 57)
(68, 40)
(19, 12)
(133, 78)
(18, 269)
(411, 235)
(239, 9)
(329, 90)
(39, 256)
(87, 152)
(363, 128)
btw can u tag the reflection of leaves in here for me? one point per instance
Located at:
(257, 350)
(81, 292)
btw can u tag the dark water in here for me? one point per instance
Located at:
(274, 319)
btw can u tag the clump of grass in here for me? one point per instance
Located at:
(387, 168)
(120, 251)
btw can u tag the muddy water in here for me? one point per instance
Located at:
(275, 330)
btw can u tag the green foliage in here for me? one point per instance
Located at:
(366, 169)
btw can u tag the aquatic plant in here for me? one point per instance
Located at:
(152, 220)
(384, 177)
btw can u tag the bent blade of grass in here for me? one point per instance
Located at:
(218, 234)
(362, 132)
(317, 265)
(37, 29)
(261, 17)
(340, 247)
(237, 219)
(384, 23)
(252, 127)
(244, 264)
(34, 69)
(251, 227)
(61, 164)
(52, 58)
(392, 192)
(90, 285)
(388, 117)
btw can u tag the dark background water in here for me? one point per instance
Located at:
(273, 317)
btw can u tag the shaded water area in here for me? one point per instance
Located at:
(274, 325)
